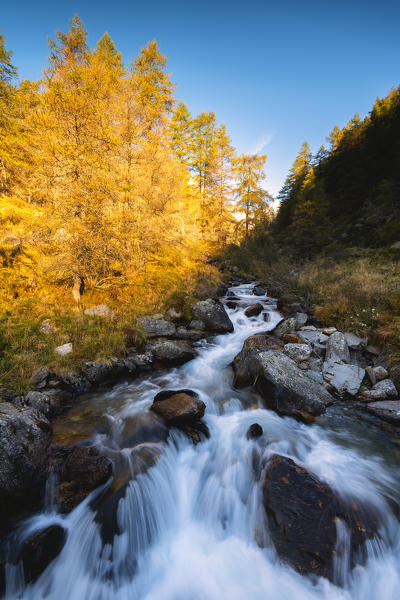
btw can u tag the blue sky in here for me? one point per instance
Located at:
(277, 73)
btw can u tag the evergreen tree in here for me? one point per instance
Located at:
(293, 184)
(310, 229)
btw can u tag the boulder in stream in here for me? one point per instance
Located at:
(80, 470)
(25, 436)
(172, 353)
(304, 515)
(213, 315)
(242, 363)
(254, 431)
(388, 410)
(40, 550)
(286, 389)
(258, 290)
(176, 406)
(343, 377)
(254, 310)
(182, 409)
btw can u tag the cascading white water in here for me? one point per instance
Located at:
(187, 528)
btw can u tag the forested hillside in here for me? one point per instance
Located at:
(348, 194)
(109, 189)
(334, 245)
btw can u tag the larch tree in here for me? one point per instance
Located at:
(8, 127)
(224, 184)
(76, 122)
(203, 165)
(251, 197)
(181, 131)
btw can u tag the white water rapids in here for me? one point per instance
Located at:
(187, 527)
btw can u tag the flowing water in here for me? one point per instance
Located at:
(186, 528)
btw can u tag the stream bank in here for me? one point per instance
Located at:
(164, 490)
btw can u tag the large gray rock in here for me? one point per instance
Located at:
(40, 401)
(382, 390)
(213, 315)
(303, 513)
(380, 373)
(182, 333)
(285, 388)
(197, 325)
(172, 352)
(301, 319)
(74, 382)
(156, 326)
(97, 372)
(370, 395)
(286, 326)
(343, 377)
(354, 342)
(313, 337)
(297, 352)
(243, 363)
(387, 387)
(337, 349)
(25, 436)
(388, 410)
(40, 377)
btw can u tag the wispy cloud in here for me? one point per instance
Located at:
(262, 143)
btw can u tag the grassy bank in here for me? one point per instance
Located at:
(359, 292)
(31, 293)
(24, 346)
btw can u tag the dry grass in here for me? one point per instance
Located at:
(23, 346)
(360, 294)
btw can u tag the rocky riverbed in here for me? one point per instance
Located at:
(278, 434)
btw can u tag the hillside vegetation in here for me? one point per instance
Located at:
(111, 193)
(347, 195)
(335, 242)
